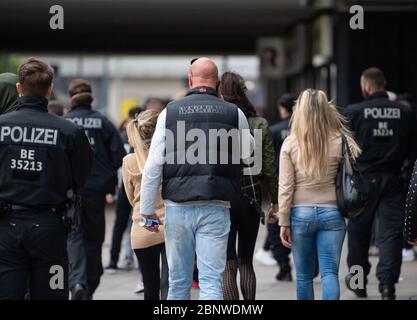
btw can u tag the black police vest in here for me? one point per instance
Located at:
(107, 145)
(42, 156)
(183, 179)
(386, 132)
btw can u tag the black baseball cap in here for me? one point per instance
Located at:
(287, 100)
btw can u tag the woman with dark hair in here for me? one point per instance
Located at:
(246, 212)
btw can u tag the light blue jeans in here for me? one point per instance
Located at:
(322, 229)
(201, 230)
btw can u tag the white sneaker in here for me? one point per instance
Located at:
(408, 255)
(139, 288)
(265, 257)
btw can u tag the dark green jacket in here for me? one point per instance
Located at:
(8, 93)
(268, 156)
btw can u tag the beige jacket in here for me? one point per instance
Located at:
(295, 188)
(132, 176)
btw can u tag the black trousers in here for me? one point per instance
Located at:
(33, 256)
(153, 281)
(386, 206)
(85, 245)
(244, 226)
(123, 211)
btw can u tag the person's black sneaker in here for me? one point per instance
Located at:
(387, 291)
(79, 292)
(360, 293)
(112, 268)
(284, 273)
(284, 276)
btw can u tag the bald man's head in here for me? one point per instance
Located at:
(203, 72)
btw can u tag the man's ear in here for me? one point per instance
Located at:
(19, 89)
(50, 89)
(368, 88)
(190, 80)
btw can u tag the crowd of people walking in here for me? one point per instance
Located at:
(195, 179)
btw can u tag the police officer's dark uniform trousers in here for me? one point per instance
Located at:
(386, 132)
(42, 158)
(85, 245)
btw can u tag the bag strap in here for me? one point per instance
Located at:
(346, 148)
(359, 182)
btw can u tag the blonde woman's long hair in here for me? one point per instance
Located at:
(140, 132)
(313, 122)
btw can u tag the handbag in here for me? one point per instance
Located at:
(351, 194)
(410, 223)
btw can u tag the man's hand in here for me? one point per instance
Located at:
(285, 234)
(272, 213)
(153, 217)
(109, 198)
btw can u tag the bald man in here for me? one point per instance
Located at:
(197, 188)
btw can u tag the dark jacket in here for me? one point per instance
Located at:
(268, 158)
(42, 156)
(182, 181)
(410, 224)
(385, 130)
(107, 145)
(279, 132)
(8, 93)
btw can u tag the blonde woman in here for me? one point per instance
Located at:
(148, 246)
(308, 213)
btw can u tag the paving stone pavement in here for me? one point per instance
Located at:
(120, 286)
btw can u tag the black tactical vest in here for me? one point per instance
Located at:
(202, 162)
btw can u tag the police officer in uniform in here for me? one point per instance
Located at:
(386, 132)
(85, 245)
(43, 160)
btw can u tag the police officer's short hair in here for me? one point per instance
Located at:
(375, 77)
(35, 76)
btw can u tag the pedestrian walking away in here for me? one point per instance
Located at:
(44, 161)
(85, 244)
(197, 195)
(387, 133)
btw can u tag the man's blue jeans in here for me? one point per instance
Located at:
(323, 228)
(201, 230)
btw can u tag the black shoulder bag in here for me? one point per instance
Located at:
(350, 188)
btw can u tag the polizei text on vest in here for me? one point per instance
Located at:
(19, 134)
